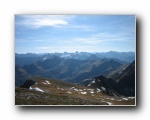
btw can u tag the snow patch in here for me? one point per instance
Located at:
(36, 89)
(80, 90)
(131, 97)
(83, 92)
(93, 81)
(72, 88)
(68, 55)
(69, 92)
(44, 59)
(112, 98)
(103, 88)
(43, 82)
(125, 98)
(98, 90)
(76, 89)
(109, 103)
(92, 91)
(47, 82)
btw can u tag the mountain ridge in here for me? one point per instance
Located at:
(71, 70)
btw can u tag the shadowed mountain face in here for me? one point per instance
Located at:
(20, 75)
(71, 70)
(122, 84)
(126, 80)
(28, 83)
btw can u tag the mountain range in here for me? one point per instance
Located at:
(109, 73)
(28, 58)
(71, 70)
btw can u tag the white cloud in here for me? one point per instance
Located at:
(36, 21)
(59, 21)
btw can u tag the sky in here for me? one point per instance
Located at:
(71, 33)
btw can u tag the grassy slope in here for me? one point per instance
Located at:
(60, 93)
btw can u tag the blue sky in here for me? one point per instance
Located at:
(71, 33)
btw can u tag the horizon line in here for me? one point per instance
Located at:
(74, 52)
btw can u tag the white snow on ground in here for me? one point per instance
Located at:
(80, 89)
(125, 98)
(43, 82)
(112, 98)
(89, 84)
(47, 82)
(83, 92)
(72, 88)
(131, 97)
(68, 55)
(69, 92)
(98, 90)
(36, 89)
(44, 59)
(92, 91)
(93, 81)
(76, 89)
(103, 88)
(109, 103)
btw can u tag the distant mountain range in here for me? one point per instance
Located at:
(26, 59)
(71, 70)
(115, 70)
